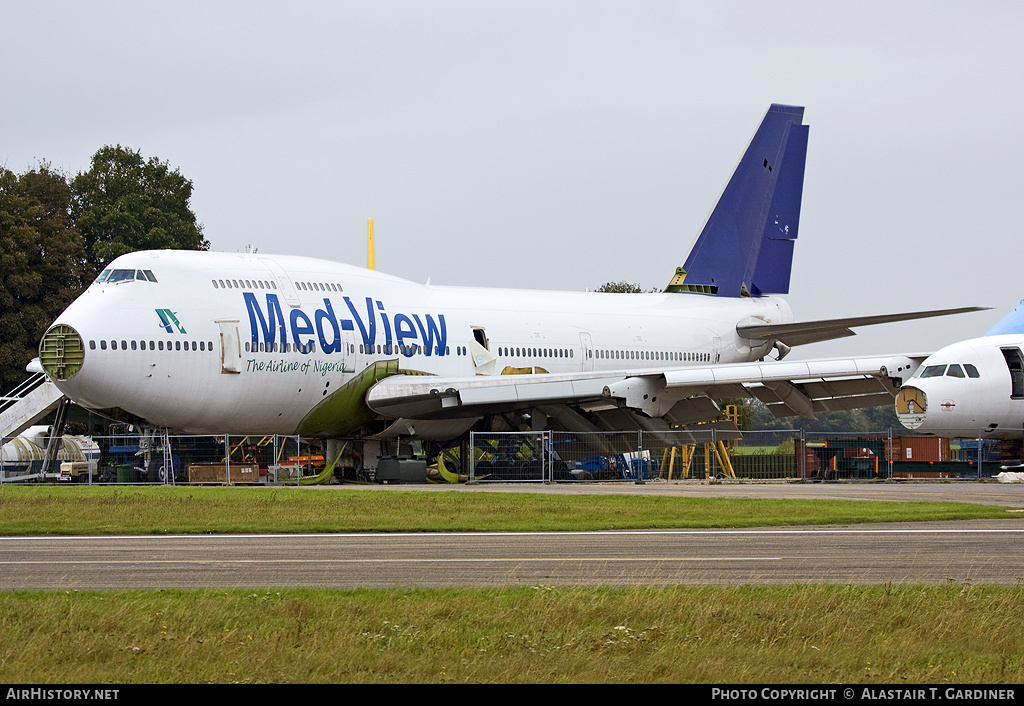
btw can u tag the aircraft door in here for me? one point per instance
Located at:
(283, 282)
(230, 347)
(348, 352)
(1015, 364)
(587, 346)
(479, 349)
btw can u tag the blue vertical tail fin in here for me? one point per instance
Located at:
(746, 245)
(1011, 323)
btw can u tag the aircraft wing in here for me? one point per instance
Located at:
(803, 332)
(648, 398)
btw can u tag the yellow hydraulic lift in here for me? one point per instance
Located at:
(245, 444)
(686, 454)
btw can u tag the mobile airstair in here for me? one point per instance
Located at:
(27, 404)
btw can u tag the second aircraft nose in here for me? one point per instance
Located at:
(911, 407)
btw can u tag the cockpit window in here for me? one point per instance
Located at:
(933, 371)
(972, 372)
(955, 371)
(112, 276)
(120, 276)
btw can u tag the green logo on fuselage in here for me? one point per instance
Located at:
(168, 320)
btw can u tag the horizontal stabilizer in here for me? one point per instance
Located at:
(803, 332)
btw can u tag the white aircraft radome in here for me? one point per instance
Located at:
(208, 342)
(972, 388)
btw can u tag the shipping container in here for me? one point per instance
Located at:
(919, 448)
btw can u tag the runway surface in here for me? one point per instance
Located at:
(977, 552)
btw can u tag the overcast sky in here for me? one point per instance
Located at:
(557, 145)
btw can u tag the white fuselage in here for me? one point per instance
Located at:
(238, 343)
(968, 389)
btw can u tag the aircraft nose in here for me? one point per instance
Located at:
(61, 352)
(911, 407)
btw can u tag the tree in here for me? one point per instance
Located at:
(865, 420)
(42, 263)
(124, 203)
(55, 237)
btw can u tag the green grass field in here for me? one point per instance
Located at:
(954, 634)
(49, 510)
(810, 634)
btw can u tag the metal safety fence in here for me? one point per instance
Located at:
(133, 456)
(636, 456)
(160, 458)
(639, 456)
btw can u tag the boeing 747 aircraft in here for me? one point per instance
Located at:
(210, 342)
